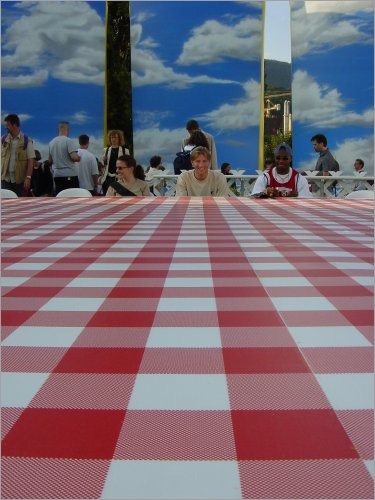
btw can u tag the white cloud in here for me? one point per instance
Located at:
(352, 148)
(214, 41)
(79, 117)
(322, 106)
(148, 69)
(322, 31)
(35, 79)
(157, 141)
(338, 6)
(237, 115)
(64, 40)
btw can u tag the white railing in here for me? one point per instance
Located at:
(334, 186)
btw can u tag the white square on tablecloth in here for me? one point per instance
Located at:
(73, 304)
(328, 336)
(352, 265)
(272, 266)
(108, 266)
(18, 389)
(93, 282)
(190, 266)
(186, 282)
(172, 480)
(43, 336)
(180, 392)
(302, 304)
(284, 282)
(28, 266)
(364, 280)
(348, 391)
(187, 304)
(182, 337)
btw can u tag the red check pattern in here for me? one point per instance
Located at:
(187, 348)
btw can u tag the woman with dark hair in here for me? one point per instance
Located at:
(196, 138)
(116, 148)
(130, 179)
(154, 169)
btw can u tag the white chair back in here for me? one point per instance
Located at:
(7, 193)
(74, 193)
(363, 193)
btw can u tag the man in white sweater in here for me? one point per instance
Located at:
(201, 181)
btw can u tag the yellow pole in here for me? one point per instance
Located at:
(105, 77)
(261, 112)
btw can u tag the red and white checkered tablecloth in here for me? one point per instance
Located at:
(187, 348)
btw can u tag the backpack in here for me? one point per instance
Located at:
(182, 162)
(25, 140)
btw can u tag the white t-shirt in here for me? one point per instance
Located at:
(87, 167)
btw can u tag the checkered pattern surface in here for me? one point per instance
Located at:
(187, 348)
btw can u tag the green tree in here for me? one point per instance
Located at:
(271, 141)
(118, 62)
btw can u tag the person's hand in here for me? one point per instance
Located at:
(27, 183)
(272, 192)
(293, 193)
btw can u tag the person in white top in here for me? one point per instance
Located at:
(281, 180)
(200, 181)
(88, 167)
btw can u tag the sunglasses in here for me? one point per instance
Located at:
(282, 157)
(122, 168)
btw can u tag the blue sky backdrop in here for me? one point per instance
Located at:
(196, 60)
(53, 68)
(333, 80)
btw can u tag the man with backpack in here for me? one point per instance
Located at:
(17, 158)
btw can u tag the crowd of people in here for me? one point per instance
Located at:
(118, 174)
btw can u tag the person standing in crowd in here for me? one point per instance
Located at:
(130, 179)
(115, 149)
(17, 158)
(88, 167)
(326, 162)
(41, 179)
(226, 170)
(192, 126)
(281, 180)
(196, 138)
(153, 170)
(201, 181)
(63, 155)
(358, 168)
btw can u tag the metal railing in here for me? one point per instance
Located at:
(333, 186)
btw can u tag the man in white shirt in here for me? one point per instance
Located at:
(88, 171)
(63, 156)
(282, 180)
(201, 181)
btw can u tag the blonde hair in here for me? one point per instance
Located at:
(200, 150)
(120, 134)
